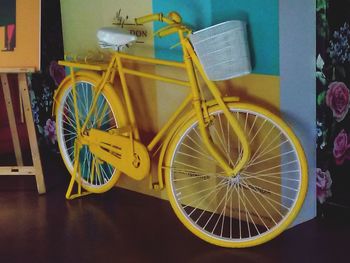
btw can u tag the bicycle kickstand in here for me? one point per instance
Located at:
(76, 171)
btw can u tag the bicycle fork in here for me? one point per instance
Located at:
(191, 60)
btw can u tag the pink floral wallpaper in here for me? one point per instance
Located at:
(44, 84)
(333, 102)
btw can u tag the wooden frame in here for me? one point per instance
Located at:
(36, 169)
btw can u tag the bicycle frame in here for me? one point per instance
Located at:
(191, 62)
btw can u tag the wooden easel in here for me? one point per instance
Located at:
(36, 169)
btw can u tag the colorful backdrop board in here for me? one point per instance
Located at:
(20, 34)
(268, 24)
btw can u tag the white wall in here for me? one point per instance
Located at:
(297, 31)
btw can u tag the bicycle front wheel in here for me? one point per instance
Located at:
(95, 175)
(243, 210)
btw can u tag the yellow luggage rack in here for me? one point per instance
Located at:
(97, 66)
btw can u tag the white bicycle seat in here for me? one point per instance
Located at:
(115, 38)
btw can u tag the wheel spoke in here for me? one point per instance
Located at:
(203, 150)
(263, 141)
(274, 183)
(267, 199)
(207, 156)
(190, 166)
(268, 148)
(252, 214)
(263, 206)
(222, 146)
(192, 173)
(199, 201)
(277, 175)
(198, 192)
(270, 158)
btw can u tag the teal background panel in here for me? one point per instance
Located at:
(261, 17)
(262, 25)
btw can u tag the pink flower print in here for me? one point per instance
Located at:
(338, 100)
(323, 185)
(341, 148)
(50, 131)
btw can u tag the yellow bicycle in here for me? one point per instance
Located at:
(235, 173)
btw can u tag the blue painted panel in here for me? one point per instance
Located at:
(262, 24)
(197, 14)
(261, 16)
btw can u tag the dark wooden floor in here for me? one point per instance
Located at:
(123, 226)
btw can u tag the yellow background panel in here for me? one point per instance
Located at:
(81, 20)
(263, 90)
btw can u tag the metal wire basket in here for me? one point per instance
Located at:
(223, 50)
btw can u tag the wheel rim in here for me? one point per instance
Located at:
(250, 208)
(94, 172)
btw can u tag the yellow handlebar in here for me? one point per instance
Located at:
(175, 17)
(149, 18)
(171, 18)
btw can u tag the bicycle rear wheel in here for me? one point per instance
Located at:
(96, 175)
(257, 204)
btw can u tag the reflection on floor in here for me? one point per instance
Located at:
(123, 226)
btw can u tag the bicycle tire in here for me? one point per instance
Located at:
(109, 115)
(256, 205)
